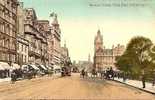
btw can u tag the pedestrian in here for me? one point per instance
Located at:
(143, 81)
(153, 83)
(13, 77)
(118, 75)
(143, 78)
(86, 73)
(111, 72)
(83, 73)
(102, 74)
(124, 77)
(107, 74)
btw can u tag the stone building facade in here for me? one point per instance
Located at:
(35, 34)
(8, 30)
(50, 47)
(26, 40)
(56, 40)
(22, 43)
(105, 58)
(44, 29)
(87, 65)
(64, 54)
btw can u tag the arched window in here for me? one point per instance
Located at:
(3, 27)
(3, 42)
(8, 29)
(7, 43)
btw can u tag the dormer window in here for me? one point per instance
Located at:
(8, 2)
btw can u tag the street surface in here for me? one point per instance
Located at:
(72, 87)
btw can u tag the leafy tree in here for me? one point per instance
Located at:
(137, 58)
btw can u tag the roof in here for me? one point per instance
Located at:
(100, 50)
(35, 67)
(108, 52)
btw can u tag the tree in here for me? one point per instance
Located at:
(123, 63)
(137, 57)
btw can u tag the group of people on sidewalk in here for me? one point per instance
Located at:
(12, 73)
(18, 74)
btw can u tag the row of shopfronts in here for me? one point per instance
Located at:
(26, 40)
(6, 69)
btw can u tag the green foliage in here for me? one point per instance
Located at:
(137, 57)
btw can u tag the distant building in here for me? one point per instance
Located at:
(22, 50)
(64, 54)
(105, 58)
(87, 65)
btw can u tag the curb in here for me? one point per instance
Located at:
(135, 87)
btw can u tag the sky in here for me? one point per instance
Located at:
(80, 19)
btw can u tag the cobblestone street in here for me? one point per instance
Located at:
(72, 87)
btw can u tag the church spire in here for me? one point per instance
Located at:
(55, 20)
(98, 32)
(89, 60)
(65, 44)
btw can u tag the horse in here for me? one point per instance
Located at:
(94, 73)
(83, 73)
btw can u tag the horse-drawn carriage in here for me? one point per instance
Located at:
(65, 71)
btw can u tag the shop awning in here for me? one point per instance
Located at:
(35, 67)
(24, 66)
(49, 67)
(1, 68)
(5, 65)
(16, 66)
(56, 67)
(43, 67)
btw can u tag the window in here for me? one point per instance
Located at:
(0, 55)
(22, 47)
(25, 59)
(3, 28)
(14, 33)
(5, 57)
(22, 58)
(13, 44)
(1, 10)
(25, 49)
(3, 42)
(8, 2)
(18, 45)
(7, 29)
(7, 43)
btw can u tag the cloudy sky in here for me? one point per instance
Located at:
(80, 19)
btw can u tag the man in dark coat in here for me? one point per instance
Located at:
(83, 73)
(13, 77)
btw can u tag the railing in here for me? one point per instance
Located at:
(33, 53)
(3, 49)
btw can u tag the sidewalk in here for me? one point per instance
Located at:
(54, 76)
(5, 79)
(138, 84)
